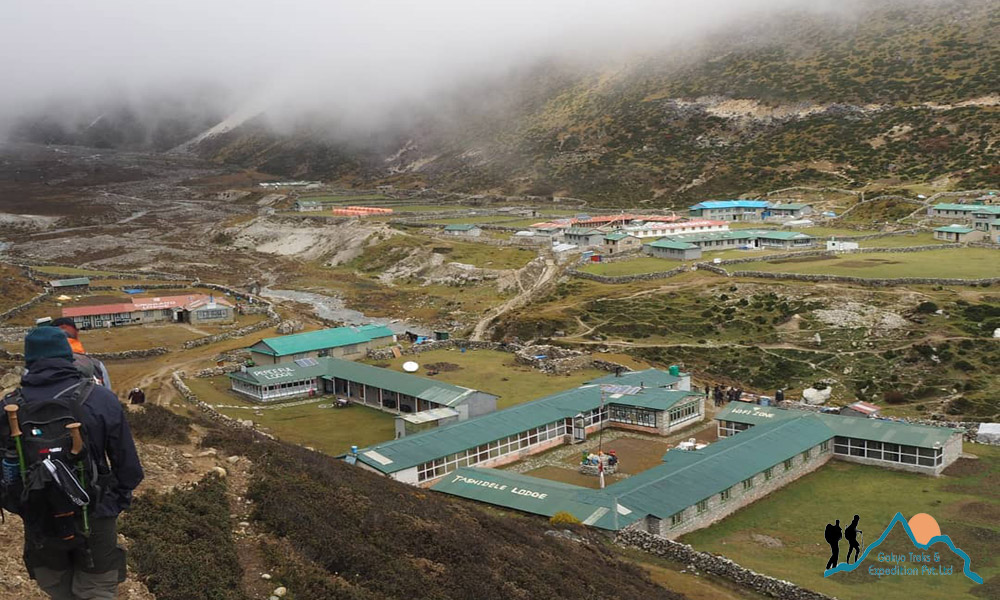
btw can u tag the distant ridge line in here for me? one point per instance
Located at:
(899, 518)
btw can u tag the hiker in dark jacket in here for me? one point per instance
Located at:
(63, 574)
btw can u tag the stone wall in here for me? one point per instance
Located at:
(177, 378)
(122, 355)
(716, 565)
(20, 308)
(864, 281)
(628, 278)
(272, 320)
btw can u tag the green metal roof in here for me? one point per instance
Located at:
(438, 392)
(754, 414)
(462, 227)
(989, 210)
(614, 237)
(740, 234)
(790, 206)
(879, 430)
(785, 235)
(661, 400)
(276, 374)
(70, 282)
(519, 492)
(436, 443)
(894, 432)
(328, 367)
(687, 477)
(955, 229)
(672, 245)
(321, 340)
(960, 207)
(654, 378)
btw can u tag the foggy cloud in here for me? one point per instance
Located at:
(355, 59)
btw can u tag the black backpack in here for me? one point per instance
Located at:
(57, 486)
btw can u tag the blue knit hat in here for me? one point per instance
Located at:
(46, 342)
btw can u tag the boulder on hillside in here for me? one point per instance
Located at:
(814, 396)
(290, 326)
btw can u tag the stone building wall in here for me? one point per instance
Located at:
(717, 509)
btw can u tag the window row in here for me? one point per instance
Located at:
(729, 428)
(885, 451)
(482, 453)
(632, 415)
(685, 411)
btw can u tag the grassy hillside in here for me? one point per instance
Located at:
(366, 536)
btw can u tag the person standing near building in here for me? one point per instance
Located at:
(94, 570)
(88, 365)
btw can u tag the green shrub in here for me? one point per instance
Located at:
(894, 397)
(153, 423)
(562, 519)
(927, 308)
(396, 541)
(182, 543)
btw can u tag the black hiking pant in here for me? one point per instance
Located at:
(63, 575)
(834, 555)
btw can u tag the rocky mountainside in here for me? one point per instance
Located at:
(897, 91)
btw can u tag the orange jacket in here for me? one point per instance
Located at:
(76, 346)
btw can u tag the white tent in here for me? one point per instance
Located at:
(989, 433)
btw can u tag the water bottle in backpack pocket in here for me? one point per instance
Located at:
(10, 482)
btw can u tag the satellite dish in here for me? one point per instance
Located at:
(410, 366)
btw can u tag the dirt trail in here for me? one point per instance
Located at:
(548, 276)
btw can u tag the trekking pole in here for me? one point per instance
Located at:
(15, 432)
(74, 432)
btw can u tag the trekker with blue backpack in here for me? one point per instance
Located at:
(69, 469)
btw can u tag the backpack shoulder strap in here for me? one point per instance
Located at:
(80, 395)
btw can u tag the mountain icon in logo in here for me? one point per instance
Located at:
(924, 532)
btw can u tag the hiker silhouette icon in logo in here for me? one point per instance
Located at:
(851, 533)
(833, 535)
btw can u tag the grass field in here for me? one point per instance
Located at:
(924, 238)
(329, 430)
(636, 266)
(965, 502)
(966, 263)
(496, 372)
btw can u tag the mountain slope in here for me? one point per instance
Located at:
(900, 90)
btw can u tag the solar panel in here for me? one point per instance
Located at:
(625, 390)
(306, 362)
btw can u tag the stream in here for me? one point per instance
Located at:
(332, 308)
